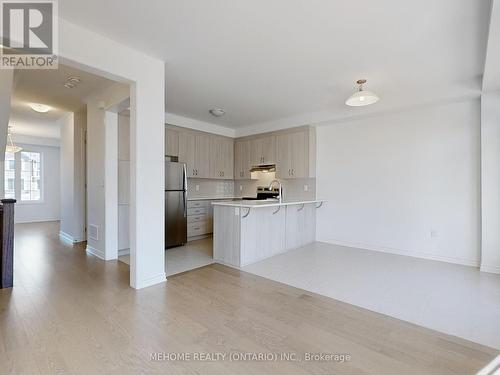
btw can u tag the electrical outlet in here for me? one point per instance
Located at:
(197, 187)
(306, 187)
(241, 187)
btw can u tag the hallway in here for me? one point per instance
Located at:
(71, 313)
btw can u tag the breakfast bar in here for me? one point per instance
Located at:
(246, 232)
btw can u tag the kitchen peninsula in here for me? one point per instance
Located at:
(246, 232)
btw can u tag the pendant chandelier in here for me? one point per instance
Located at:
(11, 147)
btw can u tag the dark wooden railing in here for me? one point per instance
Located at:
(7, 243)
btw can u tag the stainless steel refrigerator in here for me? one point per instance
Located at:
(175, 204)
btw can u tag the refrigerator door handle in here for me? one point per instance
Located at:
(184, 171)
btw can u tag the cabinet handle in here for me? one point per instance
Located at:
(289, 172)
(293, 172)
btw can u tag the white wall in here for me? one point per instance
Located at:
(72, 167)
(96, 167)
(6, 79)
(407, 182)
(490, 181)
(85, 49)
(49, 208)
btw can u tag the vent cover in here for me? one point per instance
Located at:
(93, 232)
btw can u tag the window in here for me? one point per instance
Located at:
(10, 175)
(30, 176)
(23, 172)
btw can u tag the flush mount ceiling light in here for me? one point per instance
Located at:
(362, 97)
(40, 108)
(72, 82)
(217, 112)
(11, 147)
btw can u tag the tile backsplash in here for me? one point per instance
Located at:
(292, 189)
(210, 188)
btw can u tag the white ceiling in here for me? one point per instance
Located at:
(46, 87)
(264, 60)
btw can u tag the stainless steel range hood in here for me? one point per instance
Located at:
(265, 168)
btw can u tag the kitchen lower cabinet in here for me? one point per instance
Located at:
(199, 219)
(243, 237)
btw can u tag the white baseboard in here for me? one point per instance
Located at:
(66, 237)
(123, 252)
(96, 252)
(490, 269)
(161, 278)
(36, 221)
(413, 254)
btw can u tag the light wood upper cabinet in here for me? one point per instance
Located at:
(212, 156)
(242, 160)
(300, 154)
(221, 158)
(202, 155)
(294, 155)
(194, 150)
(263, 150)
(171, 142)
(283, 156)
(187, 148)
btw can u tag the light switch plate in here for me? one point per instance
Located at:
(241, 188)
(197, 187)
(306, 187)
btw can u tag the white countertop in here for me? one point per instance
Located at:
(259, 204)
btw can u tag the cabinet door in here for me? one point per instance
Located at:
(238, 160)
(284, 156)
(171, 142)
(256, 151)
(227, 158)
(187, 147)
(215, 157)
(246, 160)
(269, 150)
(300, 154)
(202, 155)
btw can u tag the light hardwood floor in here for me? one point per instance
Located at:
(71, 313)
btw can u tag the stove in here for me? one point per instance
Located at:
(264, 193)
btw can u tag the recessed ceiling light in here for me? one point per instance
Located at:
(41, 108)
(217, 112)
(362, 97)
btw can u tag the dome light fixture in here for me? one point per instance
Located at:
(362, 97)
(217, 112)
(40, 108)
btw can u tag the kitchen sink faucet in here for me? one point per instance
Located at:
(280, 188)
